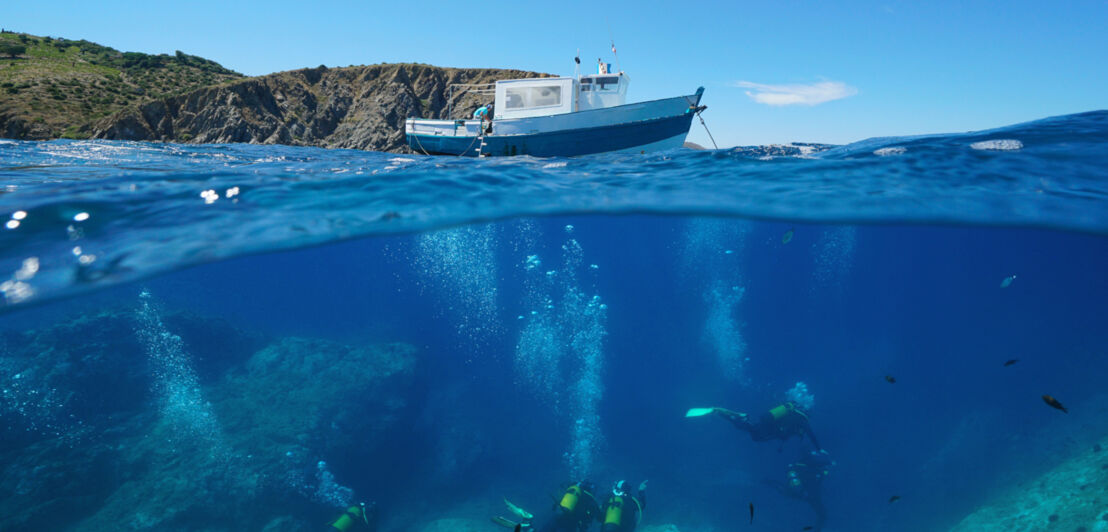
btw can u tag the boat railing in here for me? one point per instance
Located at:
(457, 91)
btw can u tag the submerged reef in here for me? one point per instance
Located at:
(1071, 497)
(90, 445)
(482, 525)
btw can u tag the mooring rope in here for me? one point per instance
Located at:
(698, 115)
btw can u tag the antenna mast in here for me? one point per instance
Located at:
(613, 41)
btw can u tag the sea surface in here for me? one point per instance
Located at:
(244, 337)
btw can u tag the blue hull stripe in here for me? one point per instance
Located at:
(558, 143)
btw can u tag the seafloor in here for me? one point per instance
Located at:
(119, 427)
(1072, 497)
(119, 433)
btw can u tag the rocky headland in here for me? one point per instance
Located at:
(58, 88)
(54, 87)
(362, 107)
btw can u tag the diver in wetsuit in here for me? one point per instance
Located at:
(804, 481)
(779, 423)
(361, 517)
(623, 511)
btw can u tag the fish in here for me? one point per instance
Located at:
(809, 527)
(752, 513)
(1054, 403)
(517, 510)
(1010, 362)
(1007, 281)
(894, 498)
(788, 236)
(891, 379)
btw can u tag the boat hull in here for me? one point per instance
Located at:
(639, 127)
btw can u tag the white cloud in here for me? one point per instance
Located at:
(797, 94)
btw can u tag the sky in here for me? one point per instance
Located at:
(773, 72)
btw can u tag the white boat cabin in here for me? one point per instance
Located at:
(522, 98)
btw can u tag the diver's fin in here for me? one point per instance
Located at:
(697, 412)
(523, 514)
(506, 523)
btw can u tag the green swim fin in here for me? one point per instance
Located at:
(505, 523)
(697, 412)
(523, 514)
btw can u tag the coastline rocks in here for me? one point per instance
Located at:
(361, 107)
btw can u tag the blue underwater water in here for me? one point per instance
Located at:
(229, 337)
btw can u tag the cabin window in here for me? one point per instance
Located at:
(606, 83)
(525, 97)
(610, 83)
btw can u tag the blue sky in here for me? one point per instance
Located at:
(851, 70)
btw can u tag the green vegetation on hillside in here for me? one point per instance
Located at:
(53, 88)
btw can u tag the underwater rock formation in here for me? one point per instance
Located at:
(1071, 497)
(97, 453)
(315, 393)
(480, 525)
(456, 525)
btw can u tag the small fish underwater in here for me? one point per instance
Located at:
(264, 337)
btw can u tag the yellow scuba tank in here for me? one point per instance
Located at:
(780, 411)
(569, 500)
(349, 519)
(614, 513)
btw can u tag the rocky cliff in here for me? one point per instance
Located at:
(54, 87)
(360, 107)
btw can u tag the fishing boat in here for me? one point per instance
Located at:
(560, 117)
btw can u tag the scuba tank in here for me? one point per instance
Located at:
(613, 514)
(780, 411)
(351, 518)
(571, 497)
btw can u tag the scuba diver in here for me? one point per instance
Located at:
(779, 423)
(804, 480)
(358, 518)
(574, 512)
(623, 511)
